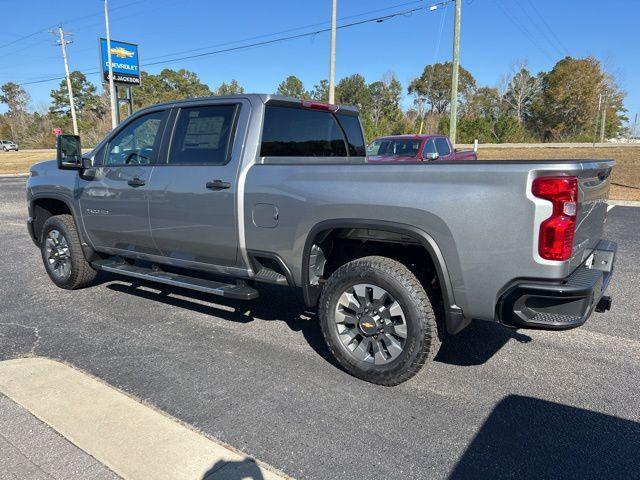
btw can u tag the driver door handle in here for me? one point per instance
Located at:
(218, 185)
(136, 182)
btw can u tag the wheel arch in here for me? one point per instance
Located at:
(46, 205)
(454, 317)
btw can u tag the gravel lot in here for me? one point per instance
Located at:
(495, 404)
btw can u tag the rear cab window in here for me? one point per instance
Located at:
(300, 132)
(443, 146)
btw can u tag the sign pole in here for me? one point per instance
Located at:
(112, 91)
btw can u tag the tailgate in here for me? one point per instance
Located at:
(593, 191)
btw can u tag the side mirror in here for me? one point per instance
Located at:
(69, 152)
(430, 156)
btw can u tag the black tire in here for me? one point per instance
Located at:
(423, 332)
(81, 273)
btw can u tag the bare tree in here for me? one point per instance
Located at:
(519, 88)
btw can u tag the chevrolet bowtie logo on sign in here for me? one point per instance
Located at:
(122, 52)
(125, 63)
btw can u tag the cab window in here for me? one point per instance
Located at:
(443, 146)
(429, 147)
(137, 143)
(296, 132)
(203, 135)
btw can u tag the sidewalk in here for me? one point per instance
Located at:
(118, 433)
(29, 449)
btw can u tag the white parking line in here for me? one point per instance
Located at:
(132, 439)
(610, 207)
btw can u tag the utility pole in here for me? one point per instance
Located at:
(453, 119)
(63, 45)
(604, 120)
(595, 127)
(112, 88)
(332, 65)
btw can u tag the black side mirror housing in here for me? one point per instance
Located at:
(87, 171)
(69, 152)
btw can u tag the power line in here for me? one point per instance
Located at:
(256, 37)
(546, 24)
(523, 29)
(46, 29)
(378, 19)
(541, 30)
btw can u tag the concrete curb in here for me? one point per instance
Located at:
(14, 175)
(132, 439)
(624, 203)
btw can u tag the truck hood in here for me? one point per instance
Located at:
(42, 167)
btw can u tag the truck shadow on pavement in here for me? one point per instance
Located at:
(274, 304)
(243, 470)
(526, 437)
(475, 345)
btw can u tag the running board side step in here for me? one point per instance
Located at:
(238, 291)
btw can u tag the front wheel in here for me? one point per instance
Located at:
(62, 254)
(378, 320)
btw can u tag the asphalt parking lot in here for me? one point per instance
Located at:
(495, 403)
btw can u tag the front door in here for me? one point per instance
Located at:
(114, 204)
(192, 205)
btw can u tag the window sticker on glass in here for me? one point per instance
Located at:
(203, 133)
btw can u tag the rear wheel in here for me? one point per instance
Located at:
(378, 321)
(62, 254)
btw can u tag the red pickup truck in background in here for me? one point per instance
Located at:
(415, 148)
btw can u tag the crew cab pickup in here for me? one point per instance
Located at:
(415, 148)
(222, 194)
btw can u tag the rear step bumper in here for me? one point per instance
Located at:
(239, 291)
(565, 304)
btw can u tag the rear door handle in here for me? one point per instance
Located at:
(136, 182)
(218, 185)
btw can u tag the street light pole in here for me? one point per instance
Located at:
(454, 76)
(112, 88)
(332, 66)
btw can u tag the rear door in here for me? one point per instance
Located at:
(192, 205)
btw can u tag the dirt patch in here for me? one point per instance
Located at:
(626, 174)
(21, 161)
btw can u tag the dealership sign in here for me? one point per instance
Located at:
(125, 63)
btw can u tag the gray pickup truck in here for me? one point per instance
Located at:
(220, 194)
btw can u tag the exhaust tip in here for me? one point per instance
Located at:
(604, 304)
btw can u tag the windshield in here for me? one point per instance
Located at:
(404, 147)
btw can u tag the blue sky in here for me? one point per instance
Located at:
(495, 33)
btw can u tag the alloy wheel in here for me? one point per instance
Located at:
(371, 324)
(58, 255)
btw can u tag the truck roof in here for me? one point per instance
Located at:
(252, 97)
(410, 136)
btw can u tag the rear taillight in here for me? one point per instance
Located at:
(319, 105)
(556, 232)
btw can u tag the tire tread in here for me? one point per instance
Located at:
(428, 323)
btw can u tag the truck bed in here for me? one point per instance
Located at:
(477, 213)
